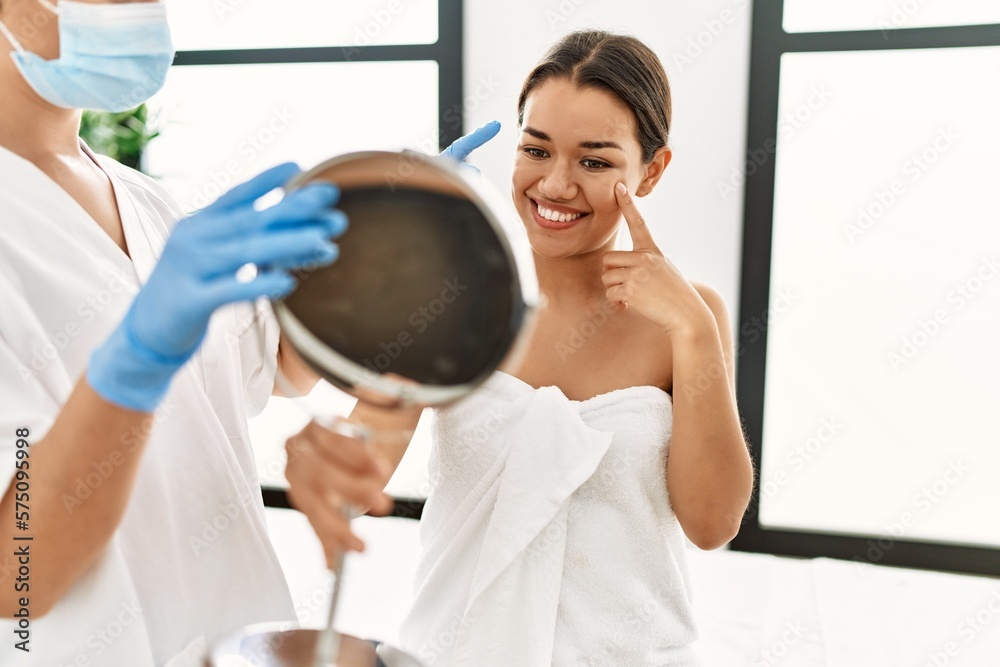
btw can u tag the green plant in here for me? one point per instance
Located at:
(122, 136)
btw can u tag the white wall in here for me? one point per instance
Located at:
(705, 49)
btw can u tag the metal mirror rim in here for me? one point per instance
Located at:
(347, 374)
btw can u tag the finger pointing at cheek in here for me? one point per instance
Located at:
(642, 238)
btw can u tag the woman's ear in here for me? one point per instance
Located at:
(654, 170)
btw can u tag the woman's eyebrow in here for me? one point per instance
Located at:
(593, 145)
(537, 134)
(600, 144)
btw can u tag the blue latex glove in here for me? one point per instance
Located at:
(196, 274)
(463, 146)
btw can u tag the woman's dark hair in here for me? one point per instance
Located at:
(619, 64)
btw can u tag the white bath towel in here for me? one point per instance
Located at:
(548, 538)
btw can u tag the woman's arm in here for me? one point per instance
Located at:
(69, 530)
(709, 471)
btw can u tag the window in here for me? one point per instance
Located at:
(255, 84)
(871, 244)
(207, 25)
(240, 97)
(221, 124)
(817, 16)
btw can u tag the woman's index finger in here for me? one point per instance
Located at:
(642, 237)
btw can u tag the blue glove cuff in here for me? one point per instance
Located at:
(124, 371)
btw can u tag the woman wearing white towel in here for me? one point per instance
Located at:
(549, 537)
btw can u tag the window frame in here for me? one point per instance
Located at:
(446, 52)
(768, 42)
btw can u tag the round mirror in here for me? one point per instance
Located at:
(427, 296)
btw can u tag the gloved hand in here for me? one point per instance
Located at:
(196, 274)
(462, 147)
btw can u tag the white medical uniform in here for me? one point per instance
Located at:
(191, 558)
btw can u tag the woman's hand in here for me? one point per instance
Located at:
(329, 472)
(645, 280)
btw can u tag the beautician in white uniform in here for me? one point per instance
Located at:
(130, 361)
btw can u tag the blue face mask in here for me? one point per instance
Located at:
(112, 57)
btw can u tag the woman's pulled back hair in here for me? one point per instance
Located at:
(621, 65)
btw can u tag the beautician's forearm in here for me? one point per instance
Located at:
(70, 528)
(709, 471)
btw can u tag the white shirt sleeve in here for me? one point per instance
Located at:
(256, 326)
(258, 344)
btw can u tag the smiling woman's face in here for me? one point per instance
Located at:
(575, 145)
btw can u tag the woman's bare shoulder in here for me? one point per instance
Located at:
(711, 296)
(717, 304)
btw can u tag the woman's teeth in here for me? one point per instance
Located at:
(555, 216)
